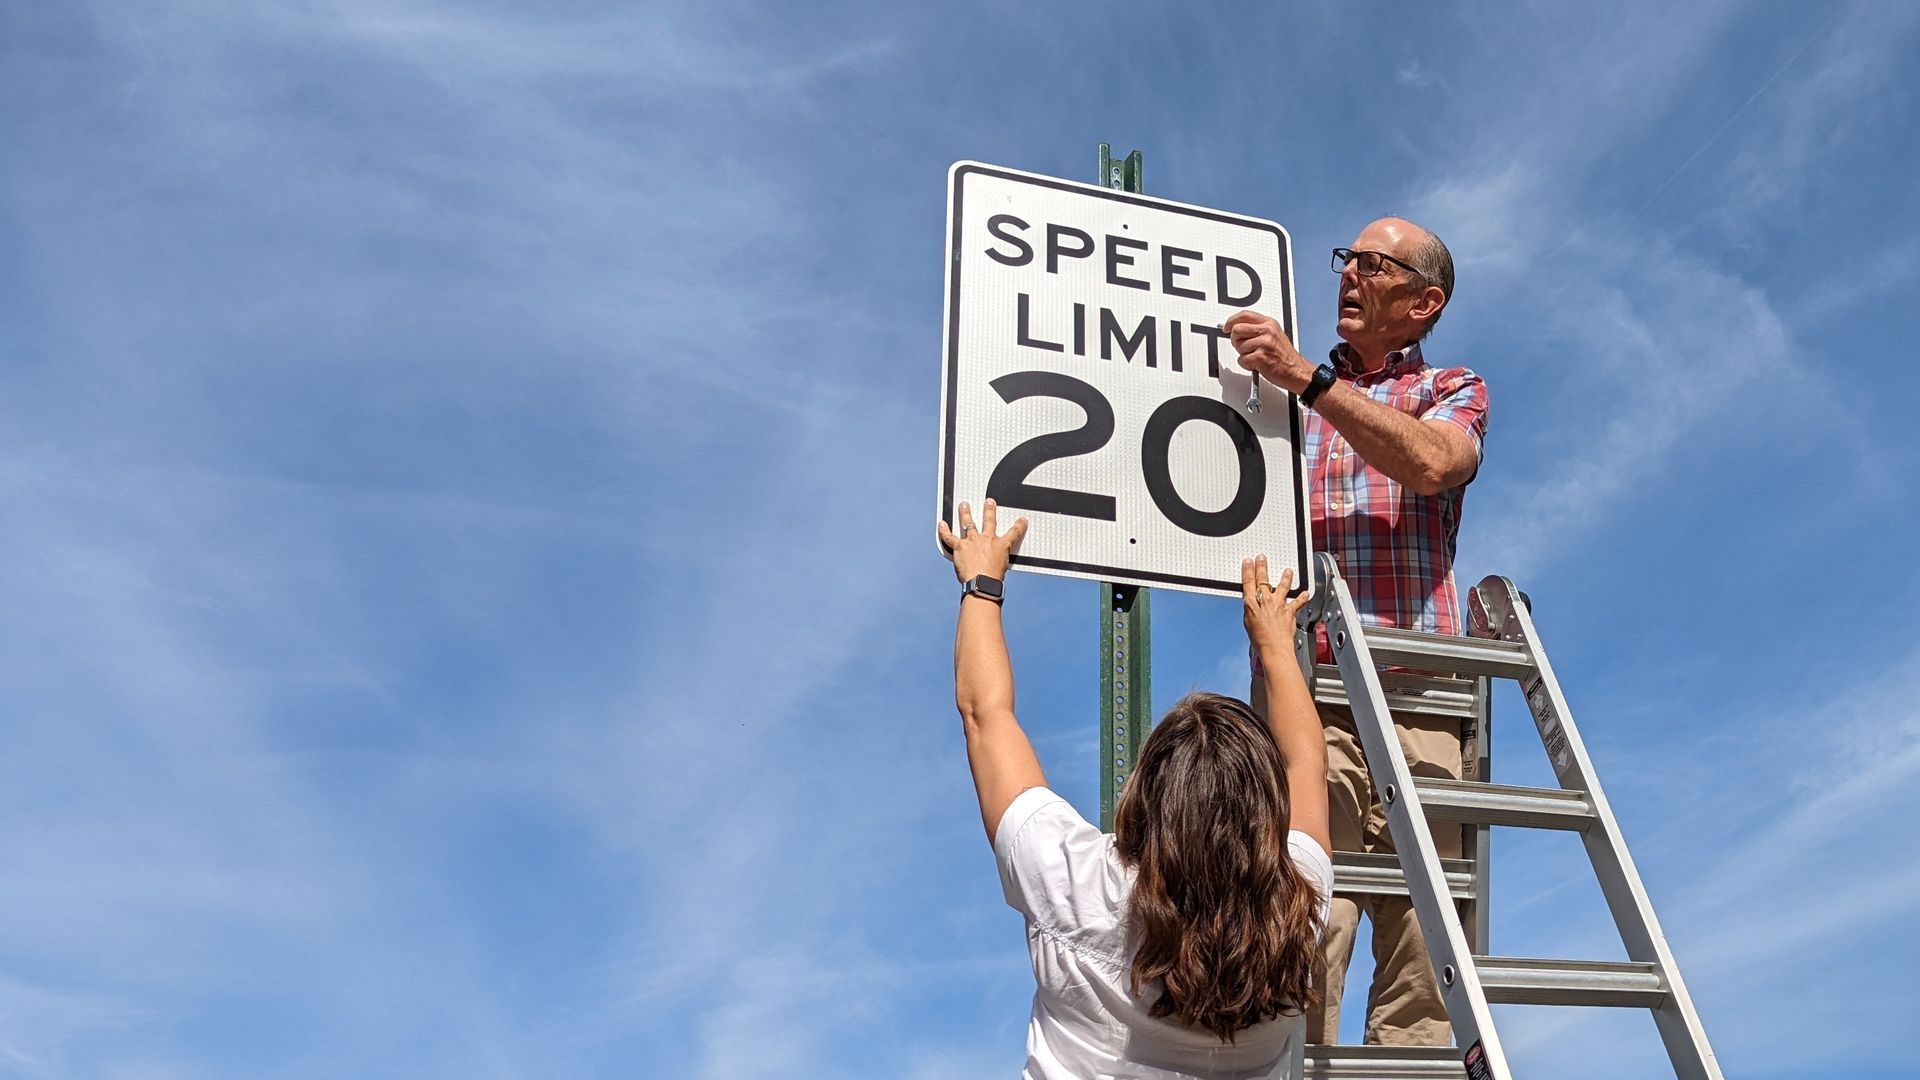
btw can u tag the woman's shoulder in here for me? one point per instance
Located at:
(1056, 867)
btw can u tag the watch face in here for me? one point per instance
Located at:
(985, 586)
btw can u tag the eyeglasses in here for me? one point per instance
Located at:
(1372, 263)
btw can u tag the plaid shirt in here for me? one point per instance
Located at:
(1394, 547)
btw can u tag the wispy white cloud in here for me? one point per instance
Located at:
(1849, 62)
(1417, 75)
(1491, 219)
(263, 774)
(40, 1020)
(1736, 355)
(1674, 341)
(421, 417)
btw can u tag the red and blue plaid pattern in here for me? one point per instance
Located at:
(1394, 547)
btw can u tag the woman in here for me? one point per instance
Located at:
(1179, 946)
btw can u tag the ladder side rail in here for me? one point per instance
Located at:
(1678, 1021)
(1479, 848)
(1440, 927)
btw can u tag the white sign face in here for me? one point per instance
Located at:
(1088, 387)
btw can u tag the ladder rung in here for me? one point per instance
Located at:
(1513, 981)
(1448, 653)
(1499, 804)
(1346, 1062)
(1406, 693)
(1380, 875)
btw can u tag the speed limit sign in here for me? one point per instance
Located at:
(1087, 384)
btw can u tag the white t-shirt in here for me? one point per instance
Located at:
(1066, 877)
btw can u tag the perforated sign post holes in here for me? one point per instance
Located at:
(1087, 384)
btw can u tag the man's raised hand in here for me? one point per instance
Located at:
(983, 550)
(1264, 347)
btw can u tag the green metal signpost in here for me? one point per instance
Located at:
(1126, 683)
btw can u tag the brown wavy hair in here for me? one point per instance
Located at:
(1225, 922)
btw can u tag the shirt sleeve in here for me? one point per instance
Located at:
(1315, 865)
(1460, 399)
(1052, 861)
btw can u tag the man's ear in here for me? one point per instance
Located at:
(1429, 303)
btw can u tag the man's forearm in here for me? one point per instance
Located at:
(1416, 454)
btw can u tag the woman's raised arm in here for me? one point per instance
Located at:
(1002, 759)
(1272, 620)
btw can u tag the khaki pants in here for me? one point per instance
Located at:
(1403, 1004)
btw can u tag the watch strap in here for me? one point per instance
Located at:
(1323, 377)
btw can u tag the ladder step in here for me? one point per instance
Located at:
(1500, 804)
(1449, 653)
(1328, 1062)
(1514, 981)
(1380, 875)
(1406, 693)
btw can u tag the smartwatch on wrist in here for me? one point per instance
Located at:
(1323, 377)
(987, 588)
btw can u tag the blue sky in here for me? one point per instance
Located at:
(468, 601)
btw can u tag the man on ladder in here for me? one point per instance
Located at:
(1391, 443)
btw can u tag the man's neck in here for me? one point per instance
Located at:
(1366, 360)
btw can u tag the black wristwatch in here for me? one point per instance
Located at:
(1323, 377)
(989, 588)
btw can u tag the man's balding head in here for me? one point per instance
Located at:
(1399, 305)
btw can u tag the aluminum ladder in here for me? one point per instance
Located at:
(1450, 675)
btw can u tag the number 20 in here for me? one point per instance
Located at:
(1008, 485)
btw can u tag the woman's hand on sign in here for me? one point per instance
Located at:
(1265, 348)
(1271, 616)
(982, 550)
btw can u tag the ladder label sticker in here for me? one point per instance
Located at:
(1548, 721)
(1476, 1059)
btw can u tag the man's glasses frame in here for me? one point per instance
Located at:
(1372, 263)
